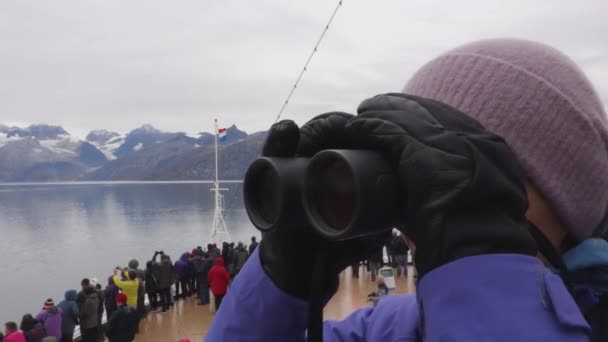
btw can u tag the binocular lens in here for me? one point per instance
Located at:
(350, 193)
(272, 191)
(262, 194)
(332, 194)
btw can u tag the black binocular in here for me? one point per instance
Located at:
(341, 194)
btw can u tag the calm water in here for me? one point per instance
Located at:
(53, 235)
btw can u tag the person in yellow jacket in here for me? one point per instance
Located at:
(130, 286)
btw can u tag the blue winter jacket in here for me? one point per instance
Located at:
(69, 312)
(182, 267)
(497, 297)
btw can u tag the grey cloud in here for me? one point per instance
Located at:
(89, 64)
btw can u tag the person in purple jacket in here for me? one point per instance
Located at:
(50, 316)
(502, 149)
(182, 271)
(109, 295)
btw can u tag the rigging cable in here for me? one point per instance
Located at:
(314, 50)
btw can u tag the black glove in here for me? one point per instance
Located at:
(464, 187)
(288, 253)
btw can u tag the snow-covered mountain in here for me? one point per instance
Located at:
(106, 141)
(115, 145)
(41, 132)
(42, 148)
(50, 153)
(141, 138)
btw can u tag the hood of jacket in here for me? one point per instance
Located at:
(219, 261)
(126, 309)
(184, 257)
(89, 290)
(590, 253)
(133, 263)
(587, 264)
(27, 323)
(70, 295)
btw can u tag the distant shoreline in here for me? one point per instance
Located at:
(126, 182)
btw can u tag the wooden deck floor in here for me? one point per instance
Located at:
(187, 319)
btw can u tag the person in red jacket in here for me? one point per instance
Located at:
(12, 334)
(218, 279)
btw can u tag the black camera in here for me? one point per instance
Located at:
(342, 194)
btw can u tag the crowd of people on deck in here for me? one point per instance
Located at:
(194, 274)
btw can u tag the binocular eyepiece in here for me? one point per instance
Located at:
(341, 194)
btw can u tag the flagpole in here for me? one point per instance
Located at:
(218, 229)
(216, 176)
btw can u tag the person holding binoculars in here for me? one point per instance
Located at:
(494, 162)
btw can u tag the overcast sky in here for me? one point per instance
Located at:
(113, 64)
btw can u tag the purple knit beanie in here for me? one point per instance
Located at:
(542, 104)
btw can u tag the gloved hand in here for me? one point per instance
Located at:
(288, 253)
(464, 187)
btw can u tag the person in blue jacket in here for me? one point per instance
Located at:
(69, 315)
(501, 148)
(182, 271)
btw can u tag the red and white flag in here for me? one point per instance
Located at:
(221, 133)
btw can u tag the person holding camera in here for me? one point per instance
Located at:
(500, 152)
(129, 286)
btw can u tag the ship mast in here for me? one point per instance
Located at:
(219, 232)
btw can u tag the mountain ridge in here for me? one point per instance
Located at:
(44, 152)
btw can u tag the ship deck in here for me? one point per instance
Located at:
(189, 320)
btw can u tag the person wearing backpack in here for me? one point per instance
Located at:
(89, 311)
(32, 329)
(122, 325)
(203, 290)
